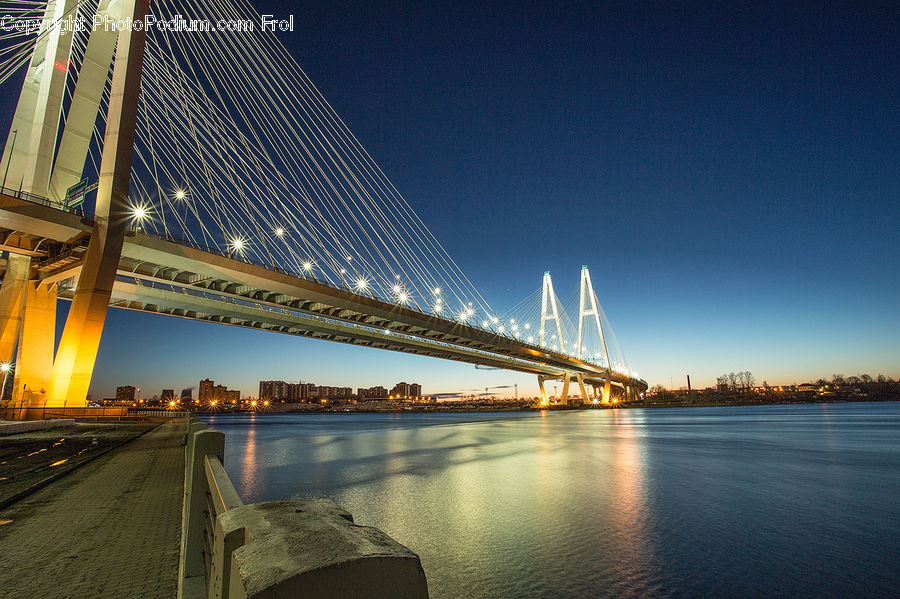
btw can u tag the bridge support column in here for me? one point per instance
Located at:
(74, 365)
(12, 300)
(585, 398)
(606, 389)
(30, 151)
(34, 361)
(544, 400)
(564, 400)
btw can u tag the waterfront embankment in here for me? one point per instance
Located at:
(109, 529)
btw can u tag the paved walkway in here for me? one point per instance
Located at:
(109, 529)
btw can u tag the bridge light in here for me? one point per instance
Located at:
(502, 329)
(237, 244)
(397, 289)
(495, 320)
(180, 194)
(349, 258)
(307, 266)
(343, 271)
(139, 212)
(463, 316)
(361, 284)
(5, 367)
(527, 326)
(438, 308)
(436, 291)
(485, 324)
(470, 312)
(531, 340)
(403, 297)
(279, 232)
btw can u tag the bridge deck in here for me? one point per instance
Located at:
(131, 498)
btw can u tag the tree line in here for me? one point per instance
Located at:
(736, 380)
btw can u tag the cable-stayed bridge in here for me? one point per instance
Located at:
(198, 173)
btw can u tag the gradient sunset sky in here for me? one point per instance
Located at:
(730, 172)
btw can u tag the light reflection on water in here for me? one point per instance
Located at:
(780, 500)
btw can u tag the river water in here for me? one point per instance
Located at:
(787, 501)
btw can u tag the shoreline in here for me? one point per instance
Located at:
(686, 402)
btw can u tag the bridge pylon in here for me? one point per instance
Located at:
(36, 166)
(589, 306)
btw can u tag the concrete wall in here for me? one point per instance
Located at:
(307, 548)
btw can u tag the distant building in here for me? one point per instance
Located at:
(415, 390)
(372, 393)
(232, 396)
(125, 394)
(206, 390)
(272, 390)
(187, 394)
(326, 392)
(167, 394)
(400, 391)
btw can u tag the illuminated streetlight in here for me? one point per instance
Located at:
(4, 368)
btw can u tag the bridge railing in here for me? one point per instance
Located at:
(296, 547)
(43, 201)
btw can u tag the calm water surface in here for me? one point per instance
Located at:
(775, 500)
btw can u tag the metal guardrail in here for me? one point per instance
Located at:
(36, 199)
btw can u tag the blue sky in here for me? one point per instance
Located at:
(728, 172)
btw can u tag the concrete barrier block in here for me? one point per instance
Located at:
(311, 548)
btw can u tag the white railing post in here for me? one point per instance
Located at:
(202, 443)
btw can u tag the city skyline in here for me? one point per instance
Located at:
(729, 176)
